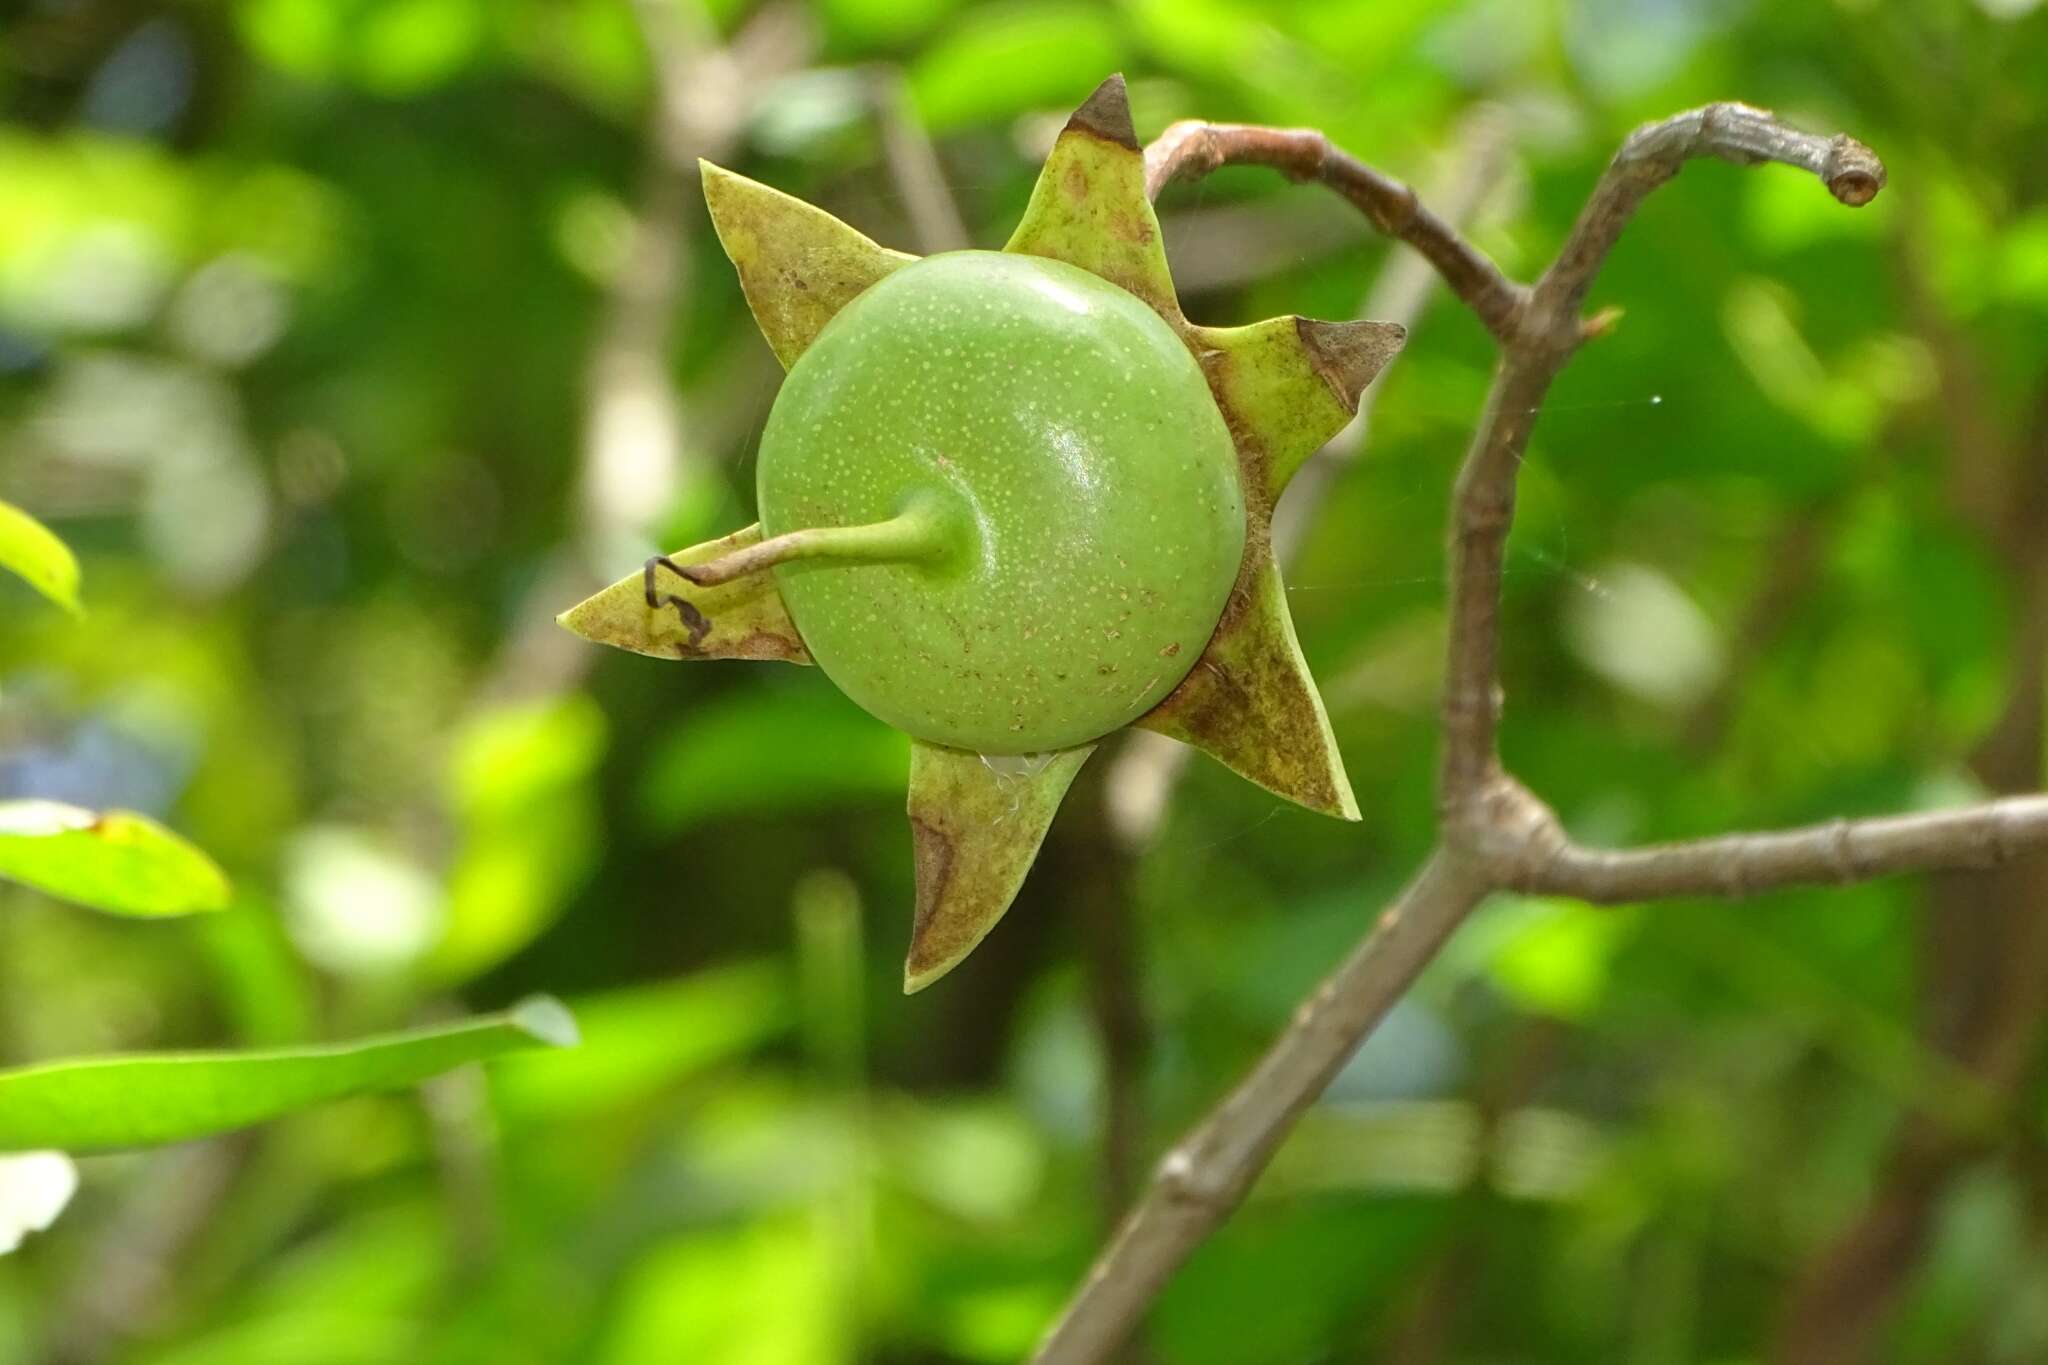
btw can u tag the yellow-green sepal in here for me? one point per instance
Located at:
(1287, 385)
(976, 823)
(743, 619)
(1251, 704)
(1089, 207)
(798, 265)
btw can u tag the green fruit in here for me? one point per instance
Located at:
(1009, 512)
(1036, 467)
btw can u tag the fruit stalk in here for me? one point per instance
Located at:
(923, 530)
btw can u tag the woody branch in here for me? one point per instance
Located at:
(1494, 833)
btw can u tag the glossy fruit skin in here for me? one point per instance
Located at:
(1099, 517)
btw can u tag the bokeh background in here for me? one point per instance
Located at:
(350, 340)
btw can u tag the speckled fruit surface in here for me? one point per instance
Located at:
(1096, 516)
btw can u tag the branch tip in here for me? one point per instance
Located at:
(1852, 172)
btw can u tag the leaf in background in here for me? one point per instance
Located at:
(520, 784)
(1001, 62)
(1549, 954)
(766, 1292)
(765, 753)
(102, 1104)
(403, 47)
(263, 989)
(390, 47)
(638, 1040)
(350, 1292)
(32, 550)
(1303, 1264)
(116, 861)
(510, 756)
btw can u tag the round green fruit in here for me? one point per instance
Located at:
(1027, 504)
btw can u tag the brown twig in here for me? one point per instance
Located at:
(1194, 149)
(1839, 853)
(1495, 833)
(1546, 333)
(1208, 1173)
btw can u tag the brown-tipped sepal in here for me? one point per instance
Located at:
(1251, 704)
(1106, 114)
(797, 263)
(976, 823)
(1287, 385)
(1089, 207)
(743, 619)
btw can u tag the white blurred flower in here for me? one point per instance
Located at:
(1641, 632)
(356, 906)
(230, 311)
(34, 1188)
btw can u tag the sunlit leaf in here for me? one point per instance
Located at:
(1549, 955)
(116, 861)
(32, 550)
(111, 1103)
(883, 23)
(405, 46)
(509, 756)
(763, 1293)
(299, 36)
(1001, 62)
(637, 1040)
(520, 785)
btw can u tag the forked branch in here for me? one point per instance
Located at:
(1495, 835)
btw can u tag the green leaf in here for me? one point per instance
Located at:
(32, 550)
(638, 1040)
(770, 754)
(520, 785)
(116, 861)
(1004, 60)
(103, 1104)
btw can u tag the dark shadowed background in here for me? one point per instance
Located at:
(348, 341)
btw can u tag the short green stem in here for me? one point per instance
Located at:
(926, 528)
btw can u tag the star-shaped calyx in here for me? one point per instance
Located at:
(980, 803)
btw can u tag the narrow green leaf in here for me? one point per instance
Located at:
(116, 861)
(32, 550)
(101, 1104)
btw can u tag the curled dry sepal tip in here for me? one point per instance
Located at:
(1014, 501)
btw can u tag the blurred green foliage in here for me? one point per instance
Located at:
(300, 309)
